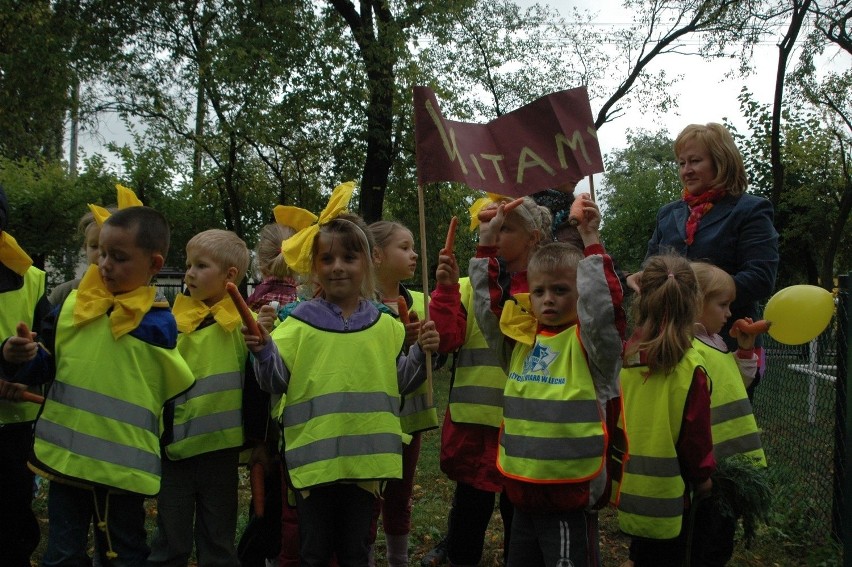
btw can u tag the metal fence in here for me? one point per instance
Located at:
(801, 406)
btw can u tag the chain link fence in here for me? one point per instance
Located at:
(800, 404)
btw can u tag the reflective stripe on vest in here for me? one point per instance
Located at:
(416, 414)
(19, 305)
(553, 428)
(208, 416)
(650, 495)
(341, 417)
(100, 422)
(735, 430)
(476, 395)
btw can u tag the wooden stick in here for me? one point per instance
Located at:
(424, 276)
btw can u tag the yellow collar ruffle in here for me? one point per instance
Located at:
(13, 256)
(517, 321)
(481, 203)
(297, 248)
(95, 300)
(189, 313)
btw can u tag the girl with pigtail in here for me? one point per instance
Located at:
(666, 395)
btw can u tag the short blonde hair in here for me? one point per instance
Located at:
(535, 217)
(554, 257)
(713, 282)
(268, 260)
(225, 248)
(730, 171)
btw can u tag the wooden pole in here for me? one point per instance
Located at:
(424, 276)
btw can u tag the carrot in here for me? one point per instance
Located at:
(258, 489)
(402, 308)
(27, 396)
(23, 331)
(755, 328)
(576, 213)
(486, 215)
(245, 312)
(451, 236)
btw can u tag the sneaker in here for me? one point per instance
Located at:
(437, 556)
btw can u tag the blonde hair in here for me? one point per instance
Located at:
(268, 260)
(225, 248)
(730, 171)
(382, 230)
(554, 257)
(713, 282)
(665, 311)
(534, 217)
(353, 234)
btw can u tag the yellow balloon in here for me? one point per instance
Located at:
(799, 313)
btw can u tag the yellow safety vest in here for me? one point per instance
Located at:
(19, 305)
(553, 426)
(735, 430)
(478, 381)
(209, 416)
(417, 414)
(101, 420)
(650, 495)
(341, 418)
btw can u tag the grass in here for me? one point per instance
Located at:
(797, 535)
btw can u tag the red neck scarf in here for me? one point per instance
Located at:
(699, 205)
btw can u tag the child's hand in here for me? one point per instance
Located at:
(489, 229)
(634, 281)
(11, 390)
(590, 220)
(253, 342)
(266, 317)
(429, 338)
(447, 272)
(412, 329)
(745, 341)
(22, 347)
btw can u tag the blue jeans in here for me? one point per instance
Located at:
(71, 510)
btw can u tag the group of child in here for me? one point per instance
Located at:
(549, 408)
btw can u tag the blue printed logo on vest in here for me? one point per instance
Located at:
(539, 360)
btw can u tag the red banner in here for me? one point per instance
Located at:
(546, 143)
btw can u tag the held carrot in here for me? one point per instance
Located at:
(245, 312)
(451, 236)
(27, 396)
(755, 328)
(258, 489)
(486, 215)
(575, 213)
(23, 331)
(402, 309)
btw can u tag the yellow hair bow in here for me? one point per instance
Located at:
(126, 198)
(297, 248)
(517, 321)
(189, 313)
(481, 203)
(296, 218)
(94, 300)
(13, 256)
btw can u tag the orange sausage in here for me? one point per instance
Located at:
(258, 489)
(575, 214)
(27, 396)
(741, 325)
(451, 236)
(486, 215)
(23, 331)
(245, 313)
(402, 308)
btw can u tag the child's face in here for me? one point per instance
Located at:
(93, 233)
(514, 242)
(339, 272)
(205, 278)
(554, 297)
(123, 265)
(715, 313)
(397, 259)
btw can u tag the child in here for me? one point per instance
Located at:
(734, 428)
(205, 428)
(21, 300)
(395, 260)
(343, 372)
(91, 231)
(115, 365)
(470, 428)
(667, 410)
(563, 353)
(278, 280)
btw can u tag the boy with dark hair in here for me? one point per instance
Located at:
(114, 365)
(22, 300)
